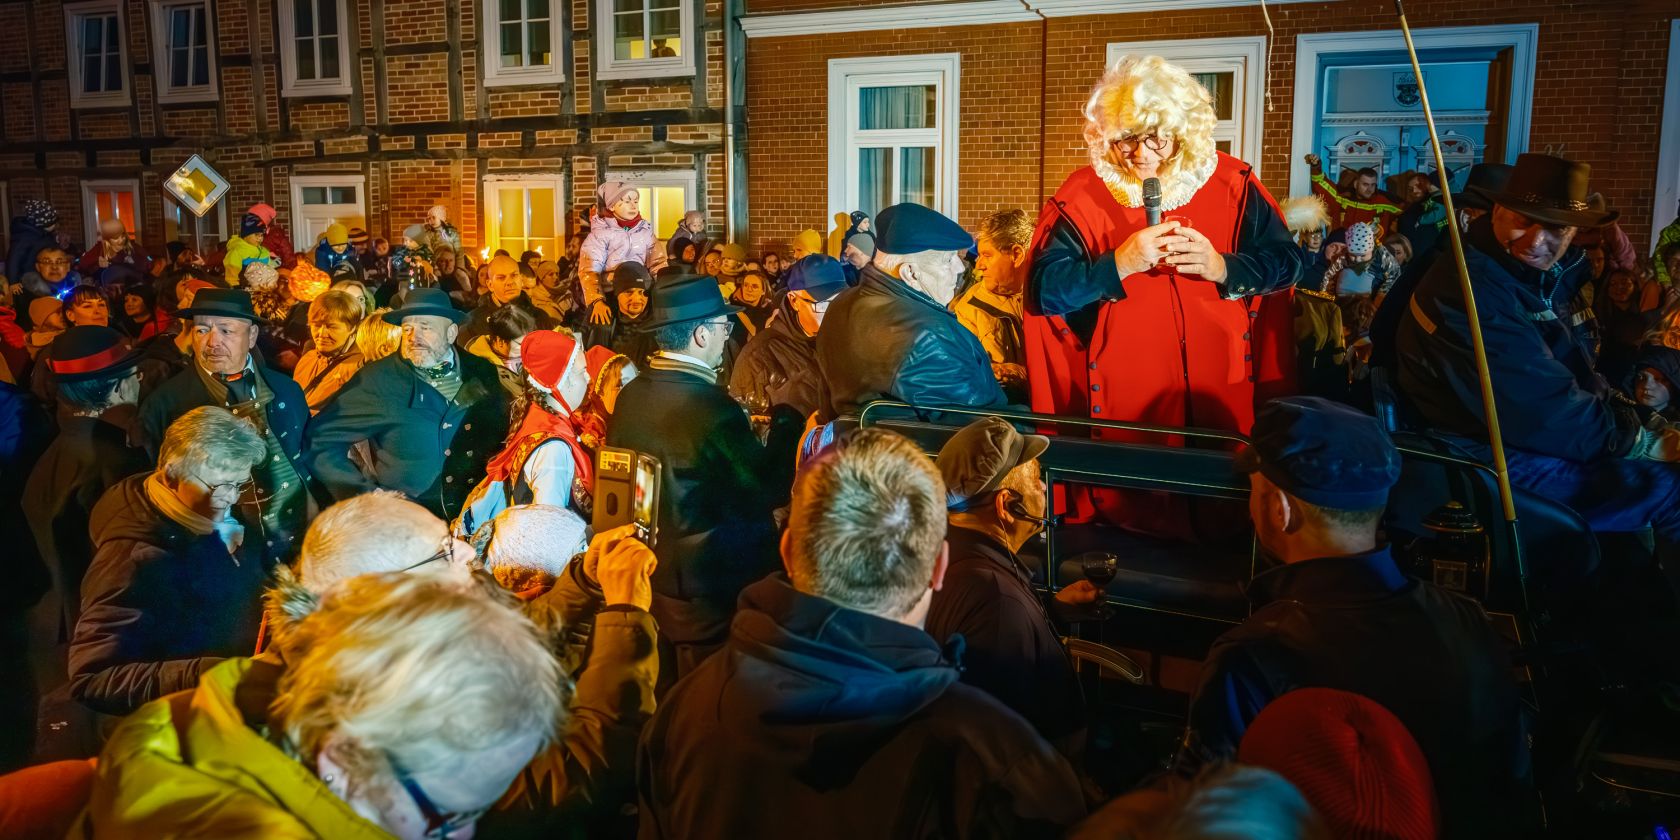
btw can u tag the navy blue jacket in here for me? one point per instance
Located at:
(1356, 623)
(1550, 400)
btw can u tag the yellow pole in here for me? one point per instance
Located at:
(1477, 347)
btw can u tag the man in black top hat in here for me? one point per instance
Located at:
(892, 337)
(423, 421)
(718, 484)
(95, 371)
(226, 373)
(1338, 613)
(1566, 436)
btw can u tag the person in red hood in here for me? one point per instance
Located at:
(1183, 323)
(275, 239)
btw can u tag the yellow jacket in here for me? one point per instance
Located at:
(188, 764)
(238, 251)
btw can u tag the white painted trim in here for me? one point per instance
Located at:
(1522, 38)
(300, 238)
(168, 94)
(970, 13)
(72, 54)
(1668, 155)
(609, 67)
(1201, 55)
(1354, 118)
(878, 18)
(90, 214)
(946, 68)
(490, 237)
(289, 83)
(490, 54)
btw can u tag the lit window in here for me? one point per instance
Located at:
(318, 201)
(523, 34)
(891, 133)
(665, 197)
(524, 214)
(110, 199)
(645, 38)
(98, 69)
(181, 50)
(315, 51)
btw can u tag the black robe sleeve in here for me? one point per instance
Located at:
(1267, 259)
(1066, 278)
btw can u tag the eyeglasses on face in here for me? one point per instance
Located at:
(440, 824)
(1152, 142)
(239, 487)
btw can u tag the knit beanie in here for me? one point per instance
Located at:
(863, 241)
(251, 223)
(337, 234)
(358, 237)
(264, 212)
(734, 252)
(1352, 759)
(810, 240)
(40, 213)
(631, 275)
(610, 192)
(414, 232)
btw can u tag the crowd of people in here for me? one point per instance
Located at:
(305, 541)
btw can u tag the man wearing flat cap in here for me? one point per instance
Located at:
(892, 337)
(1567, 437)
(717, 483)
(995, 500)
(1338, 613)
(779, 365)
(226, 373)
(423, 422)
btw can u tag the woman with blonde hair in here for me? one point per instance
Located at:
(406, 707)
(1177, 322)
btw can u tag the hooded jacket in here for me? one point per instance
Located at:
(608, 244)
(27, 240)
(778, 366)
(817, 721)
(884, 340)
(160, 604)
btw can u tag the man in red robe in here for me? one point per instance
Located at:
(1184, 323)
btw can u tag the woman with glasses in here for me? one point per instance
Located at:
(406, 706)
(1181, 323)
(174, 586)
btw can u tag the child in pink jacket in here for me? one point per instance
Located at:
(617, 234)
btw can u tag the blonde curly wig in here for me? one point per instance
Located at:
(1144, 95)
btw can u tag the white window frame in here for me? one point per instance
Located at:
(300, 236)
(609, 66)
(1244, 56)
(73, 12)
(219, 212)
(685, 178)
(490, 34)
(847, 76)
(1522, 38)
(90, 211)
(167, 93)
(493, 208)
(290, 84)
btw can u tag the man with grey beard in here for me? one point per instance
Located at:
(423, 422)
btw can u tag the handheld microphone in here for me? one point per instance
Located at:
(1152, 200)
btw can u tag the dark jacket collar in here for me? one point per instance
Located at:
(1355, 578)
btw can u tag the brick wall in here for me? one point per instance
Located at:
(1598, 95)
(422, 135)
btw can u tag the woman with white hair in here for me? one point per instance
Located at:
(174, 586)
(1171, 324)
(406, 707)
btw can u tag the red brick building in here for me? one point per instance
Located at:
(1005, 81)
(507, 112)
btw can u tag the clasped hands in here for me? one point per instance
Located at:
(1171, 243)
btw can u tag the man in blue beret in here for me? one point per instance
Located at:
(1338, 613)
(892, 337)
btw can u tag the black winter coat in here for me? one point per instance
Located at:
(160, 604)
(816, 721)
(1357, 624)
(717, 488)
(621, 335)
(884, 340)
(1550, 400)
(88, 457)
(431, 449)
(778, 366)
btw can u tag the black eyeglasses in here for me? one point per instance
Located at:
(445, 552)
(1152, 142)
(439, 823)
(239, 487)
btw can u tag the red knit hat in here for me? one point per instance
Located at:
(1352, 759)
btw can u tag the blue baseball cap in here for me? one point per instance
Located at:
(911, 229)
(1323, 453)
(819, 275)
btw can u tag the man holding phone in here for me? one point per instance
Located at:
(717, 483)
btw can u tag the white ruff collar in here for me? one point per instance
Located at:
(1176, 189)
